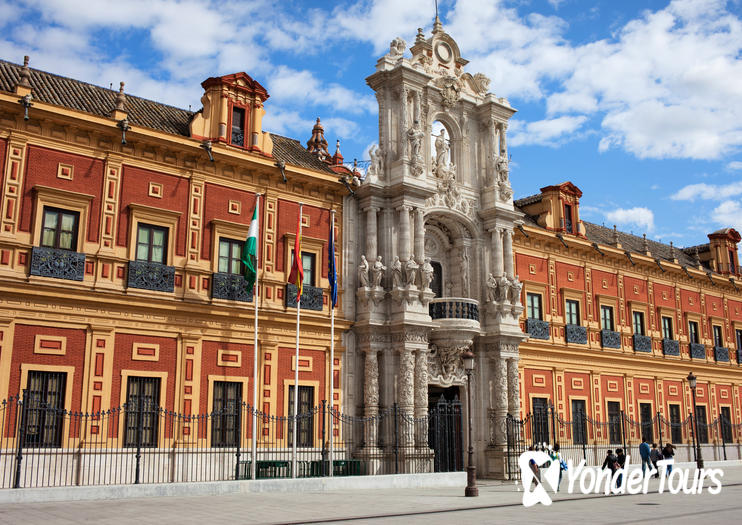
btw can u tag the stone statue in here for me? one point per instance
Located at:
(491, 288)
(514, 290)
(441, 150)
(465, 273)
(411, 268)
(363, 272)
(415, 138)
(426, 274)
(397, 273)
(377, 162)
(502, 289)
(502, 169)
(397, 47)
(377, 272)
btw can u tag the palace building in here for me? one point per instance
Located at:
(123, 221)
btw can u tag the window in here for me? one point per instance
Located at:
(540, 420)
(572, 312)
(305, 417)
(726, 424)
(674, 423)
(533, 306)
(718, 338)
(615, 422)
(579, 422)
(437, 284)
(151, 243)
(676, 431)
(645, 416)
(44, 401)
(230, 252)
(703, 433)
(667, 327)
(59, 229)
(142, 411)
(739, 339)
(227, 411)
(307, 262)
(732, 267)
(238, 126)
(639, 323)
(606, 317)
(568, 218)
(693, 331)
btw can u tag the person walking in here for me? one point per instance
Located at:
(620, 462)
(667, 453)
(654, 456)
(555, 455)
(645, 453)
(609, 462)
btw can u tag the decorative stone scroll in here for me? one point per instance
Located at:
(445, 367)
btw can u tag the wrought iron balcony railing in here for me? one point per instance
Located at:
(610, 339)
(575, 333)
(721, 354)
(60, 264)
(232, 287)
(538, 329)
(311, 297)
(454, 308)
(697, 351)
(642, 343)
(670, 347)
(151, 276)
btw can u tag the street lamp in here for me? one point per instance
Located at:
(692, 382)
(471, 471)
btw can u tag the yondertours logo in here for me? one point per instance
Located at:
(540, 468)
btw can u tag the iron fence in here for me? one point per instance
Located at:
(140, 442)
(585, 438)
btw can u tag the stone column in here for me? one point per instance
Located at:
(421, 397)
(507, 252)
(371, 396)
(513, 388)
(419, 235)
(497, 252)
(501, 399)
(404, 233)
(372, 233)
(406, 394)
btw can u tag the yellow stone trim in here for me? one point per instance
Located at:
(136, 356)
(40, 339)
(222, 353)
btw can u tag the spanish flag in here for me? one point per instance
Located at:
(297, 270)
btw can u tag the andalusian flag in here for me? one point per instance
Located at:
(250, 250)
(332, 273)
(297, 270)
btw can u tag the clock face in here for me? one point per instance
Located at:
(443, 52)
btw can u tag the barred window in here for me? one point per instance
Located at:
(615, 424)
(43, 405)
(226, 414)
(142, 412)
(305, 420)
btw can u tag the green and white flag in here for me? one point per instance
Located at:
(250, 250)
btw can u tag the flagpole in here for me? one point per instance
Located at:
(296, 363)
(332, 339)
(254, 464)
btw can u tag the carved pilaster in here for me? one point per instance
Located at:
(500, 409)
(14, 171)
(371, 397)
(405, 381)
(513, 388)
(497, 261)
(404, 233)
(372, 233)
(421, 397)
(419, 234)
(195, 226)
(507, 252)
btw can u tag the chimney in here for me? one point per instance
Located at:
(118, 112)
(23, 87)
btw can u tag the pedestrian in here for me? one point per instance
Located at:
(667, 453)
(654, 456)
(610, 462)
(555, 455)
(645, 453)
(620, 461)
(534, 468)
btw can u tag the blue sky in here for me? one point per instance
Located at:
(639, 103)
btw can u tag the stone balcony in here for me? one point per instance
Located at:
(151, 276)
(721, 354)
(59, 264)
(697, 351)
(454, 319)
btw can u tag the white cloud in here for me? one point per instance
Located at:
(705, 191)
(728, 213)
(640, 216)
(549, 132)
(734, 165)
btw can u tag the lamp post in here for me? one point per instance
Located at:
(692, 382)
(471, 471)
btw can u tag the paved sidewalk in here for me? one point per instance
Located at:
(498, 501)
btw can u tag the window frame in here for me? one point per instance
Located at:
(676, 431)
(611, 325)
(615, 422)
(703, 432)
(311, 275)
(725, 413)
(667, 327)
(226, 426)
(66, 200)
(646, 426)
(540, 416)
(579, 427)
(643, 326)
(151, 434)
(150, 246)
(530, 308)
(230, 243)
(139, 213)
(39, 412)
(245, 129)
(571, 315)
(717, 332)
(693, 333)
(311, 245)
(57, 231)
(304, 425)
(568, 218)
